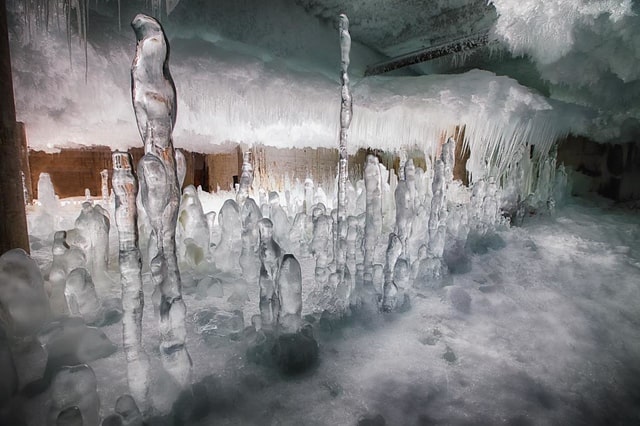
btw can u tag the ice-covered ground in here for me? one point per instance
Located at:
(551, 337)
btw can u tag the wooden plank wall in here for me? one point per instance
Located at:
(73, 170)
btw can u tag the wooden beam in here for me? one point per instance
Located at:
(456, 46)
(13, 219)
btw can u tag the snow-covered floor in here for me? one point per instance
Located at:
(552, 337)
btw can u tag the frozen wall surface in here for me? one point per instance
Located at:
(282, 91)
(589, 52)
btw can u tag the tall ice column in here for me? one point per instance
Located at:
(125, 189)
(154, 103)
(346, 110)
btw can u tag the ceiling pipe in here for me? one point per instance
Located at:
(429, 53)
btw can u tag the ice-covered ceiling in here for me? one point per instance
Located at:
(265, 71)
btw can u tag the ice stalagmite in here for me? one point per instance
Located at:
(437, 218)
(281, 225)
(373, 218)
(228, 249)
(193, 227)
(211, 224)
(346, 111)
(321, 246)
(125, 189)
(154, 103)
(246, 179)
(404, 214)
(290, 295)
(93, 227)
(82, 298)
(270, 255)
(308, 196)
(389, 290)
(104, 176)
(249, 259)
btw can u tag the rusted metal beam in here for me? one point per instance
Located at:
(432, 52)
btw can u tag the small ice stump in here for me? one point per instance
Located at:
(24, 305)
(75, 387)
(128, 410)
(295, 353)
(71, 416)
(9, 383)
(213, 322)
(460, 299)
(209, 287)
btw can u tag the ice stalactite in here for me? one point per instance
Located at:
(154, 102)
(125, 189)
(346, 111)
(373, 214)
(246, 179)
(270, 256)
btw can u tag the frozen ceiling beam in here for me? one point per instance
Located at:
(465, 44)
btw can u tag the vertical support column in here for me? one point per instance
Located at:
(13, 220)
